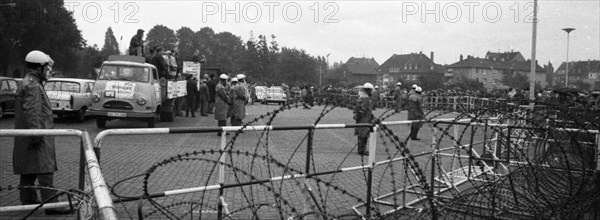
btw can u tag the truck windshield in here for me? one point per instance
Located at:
(62, 86)
(127, 73)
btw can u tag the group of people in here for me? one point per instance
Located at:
(231, 96)
(411, 101)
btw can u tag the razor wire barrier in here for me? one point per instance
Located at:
(477, 166)
(222, 207)
(89, 204)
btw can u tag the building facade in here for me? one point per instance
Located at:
(356, 71)
(492, 69)
(587, 72)
(407, 69)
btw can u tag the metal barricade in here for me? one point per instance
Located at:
(88, 161)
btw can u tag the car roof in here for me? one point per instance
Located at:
(71, 80)
(128, 63)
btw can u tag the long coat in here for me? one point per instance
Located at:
(33, 111)
(363, 114)
(414, 106)
(203, 93)
(238, 96)
(222, 102)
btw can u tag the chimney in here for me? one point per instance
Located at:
(434, 62)
(461, 57)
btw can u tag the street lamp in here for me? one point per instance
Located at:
(568, 30)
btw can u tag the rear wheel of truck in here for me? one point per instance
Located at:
(101, 122)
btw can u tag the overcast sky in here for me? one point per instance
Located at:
(375, 29)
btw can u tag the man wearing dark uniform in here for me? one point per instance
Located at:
(415, 112)
(363, 114)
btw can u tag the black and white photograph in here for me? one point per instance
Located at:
(311, 109)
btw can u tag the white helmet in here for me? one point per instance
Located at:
(224, 76)
(398, 83)
(368, 86)
(414, 86)
(38, 57)
(234, 79)
(419, 89)
(241, 76)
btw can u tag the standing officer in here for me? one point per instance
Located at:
(34, 157)
(203, 97)
(190, 98)
(376, 96)
(398, 98)
(415, 112)
(222, 101)
(238, 97)
(363, 114)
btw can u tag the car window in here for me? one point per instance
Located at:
(13, 85)
(62, 86)
(4, 86)
(128, 73)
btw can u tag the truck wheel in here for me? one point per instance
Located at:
(101, 122)
(80, 116)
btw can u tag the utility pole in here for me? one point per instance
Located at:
(533, 61)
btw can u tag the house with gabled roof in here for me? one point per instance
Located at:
(407, 68)
(493, 68)
(585, 71)
(356, 71)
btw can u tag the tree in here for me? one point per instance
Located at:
(519, 81)
(228, 52)
(297, 66)
(250, 61)
(431, 81)
(185, 43)
(38, 25)
(161, 36)
(111, 47)
(204, 41)
(90, 58)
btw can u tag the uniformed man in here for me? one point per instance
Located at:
(415, 112)
(398, 98)
(376, 97)
(363, 114)
(34, 157)
(238, 97)
(222, 101)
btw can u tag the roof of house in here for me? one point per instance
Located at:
(505, 56)
(419, 62)
(362, 65)
(475, 62)
(581, 67)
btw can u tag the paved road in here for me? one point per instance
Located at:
(126, 156)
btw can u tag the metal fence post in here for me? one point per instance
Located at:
(371, 161)
(221, 204)
(81, 166)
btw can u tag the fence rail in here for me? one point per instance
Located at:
(88, 162)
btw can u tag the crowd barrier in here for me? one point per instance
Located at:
(88, 162)
(222, 210)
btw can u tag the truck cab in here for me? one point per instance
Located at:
(129, 88)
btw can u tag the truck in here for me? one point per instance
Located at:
(129, 88)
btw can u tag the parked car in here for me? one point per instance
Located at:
(275, 94)
(8, 95)
(261, 93)
(69, 96)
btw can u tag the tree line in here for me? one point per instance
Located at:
(47, 26)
